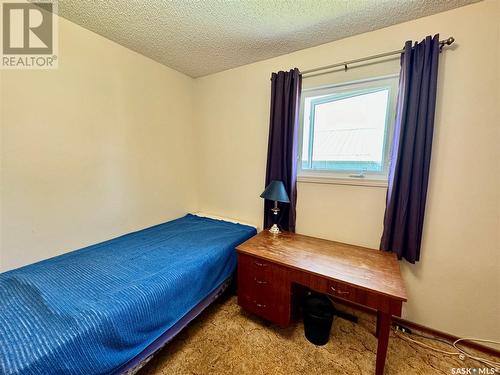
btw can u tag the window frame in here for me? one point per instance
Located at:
(345, 90)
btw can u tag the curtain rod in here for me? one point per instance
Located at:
(442, 43)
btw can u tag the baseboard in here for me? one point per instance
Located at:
(446, 336)
(431, 331)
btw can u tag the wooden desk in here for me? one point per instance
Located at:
(270, 266)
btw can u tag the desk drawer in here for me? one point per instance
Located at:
(261, 306)
(341, 290)
(263, 289)
(255, 266)
(346, 291)
(323, 285)
(364, 297)
(277, 310)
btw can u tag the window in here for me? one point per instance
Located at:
(346, 131)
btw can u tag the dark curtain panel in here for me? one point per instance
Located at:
(282, 151)
(411, 149)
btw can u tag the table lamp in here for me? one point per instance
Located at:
(276, 192)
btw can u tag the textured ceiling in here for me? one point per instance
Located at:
(202, 37)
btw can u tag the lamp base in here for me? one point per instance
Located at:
(274, 229)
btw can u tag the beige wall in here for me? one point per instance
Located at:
(97, 148)
(456, 286)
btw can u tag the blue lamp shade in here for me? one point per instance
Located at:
(275, 191)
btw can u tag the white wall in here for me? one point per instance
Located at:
(456, 286)
(97, 148)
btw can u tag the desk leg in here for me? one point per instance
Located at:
(377, 329)
(383, 330)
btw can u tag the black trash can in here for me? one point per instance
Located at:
(318, 318)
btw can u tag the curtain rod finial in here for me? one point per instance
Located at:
(450, 41)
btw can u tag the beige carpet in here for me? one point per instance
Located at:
(227, 340)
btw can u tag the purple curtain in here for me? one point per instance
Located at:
(411, 150)
(282, 151)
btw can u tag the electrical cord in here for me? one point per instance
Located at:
(488, 362)
(413, 333)
(455, 343)
(462, 354)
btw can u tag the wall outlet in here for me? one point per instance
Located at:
(403, 328)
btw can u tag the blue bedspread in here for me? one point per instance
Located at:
(92, 310)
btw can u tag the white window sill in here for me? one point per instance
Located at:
(353, 181)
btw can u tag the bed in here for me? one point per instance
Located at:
(106, 308)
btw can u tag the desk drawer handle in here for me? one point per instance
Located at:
(338, 291)
(261, 282)
(259, 264)
(260, 305)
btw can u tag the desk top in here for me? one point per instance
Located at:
(370, 269)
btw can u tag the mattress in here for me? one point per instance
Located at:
(92, 310)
